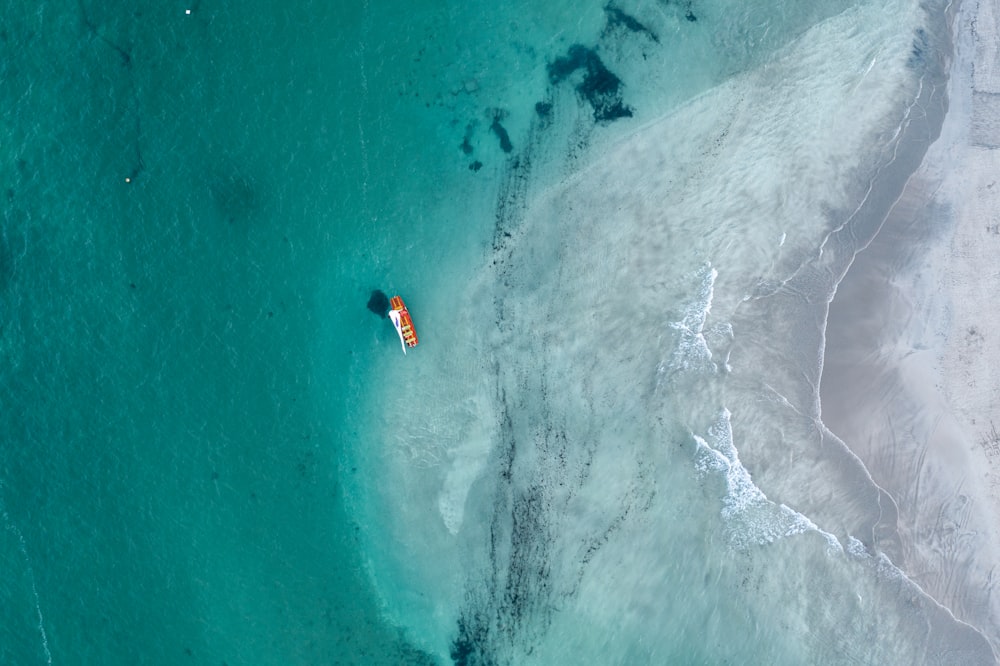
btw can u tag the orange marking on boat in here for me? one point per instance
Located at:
(405, 321)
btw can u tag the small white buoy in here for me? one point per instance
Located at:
(187, 11)
(127, 179)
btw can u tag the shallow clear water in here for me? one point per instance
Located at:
(617, 228)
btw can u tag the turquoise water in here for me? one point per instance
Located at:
(213, 453)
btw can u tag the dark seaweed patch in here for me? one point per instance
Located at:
(467, 648)
(476, 166)
(517, 600)
(512, 198)
(501, 133)
(619, 19)
(509, 607)
(599, 87)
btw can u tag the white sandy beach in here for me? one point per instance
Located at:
(911, 371)
(971, 274)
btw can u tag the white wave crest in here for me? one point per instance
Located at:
(692, 352)
(751, 517)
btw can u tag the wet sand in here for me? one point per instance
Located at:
(910, 378)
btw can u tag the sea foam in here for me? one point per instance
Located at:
(751, 518)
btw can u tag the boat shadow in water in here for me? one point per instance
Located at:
(379, 303)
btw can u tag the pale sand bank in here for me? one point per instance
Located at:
(911, 378)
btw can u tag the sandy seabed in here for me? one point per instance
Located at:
(911, 378)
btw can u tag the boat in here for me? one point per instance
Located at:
(402, 322)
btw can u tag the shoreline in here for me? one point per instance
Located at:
(906, 379)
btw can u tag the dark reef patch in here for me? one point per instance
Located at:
(466, 145)
(685, 6)
(379, 303)
(600, 87)
(544, 112)
(476, 166)
(619, 19)
(918, 59)
(498, 129)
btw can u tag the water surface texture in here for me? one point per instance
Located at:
(617, 227)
